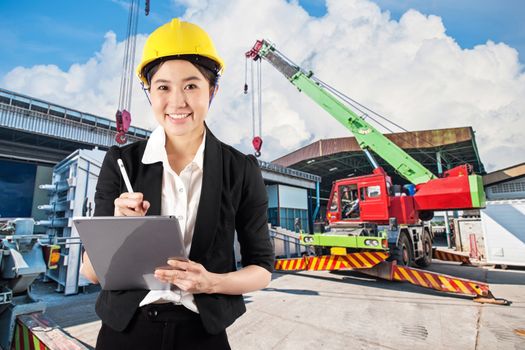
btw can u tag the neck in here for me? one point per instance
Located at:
(184, 146)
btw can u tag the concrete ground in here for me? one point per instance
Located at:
(322, 310)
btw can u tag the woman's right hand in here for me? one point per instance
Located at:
(131, 204)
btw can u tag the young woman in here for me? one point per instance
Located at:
(212, 189)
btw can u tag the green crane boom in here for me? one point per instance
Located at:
(366, 135)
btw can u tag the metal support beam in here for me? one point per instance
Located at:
(317, 200)
(439, 165)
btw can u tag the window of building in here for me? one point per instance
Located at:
(20, 101)
(288, 218)
(57, 111)
(17, 182)
(73, 115)
(39, 106)
(509, 187)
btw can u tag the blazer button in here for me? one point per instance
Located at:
(152, 313)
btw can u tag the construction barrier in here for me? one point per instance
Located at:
(24, 339)
(375, 264)
(450, 256)
(437, 281)
(36, 332)
(331, 262)
(440, 282)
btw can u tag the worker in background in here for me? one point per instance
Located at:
(349, 203)
(213, 190)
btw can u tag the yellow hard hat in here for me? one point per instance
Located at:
(179, 38)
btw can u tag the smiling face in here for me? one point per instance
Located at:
(180, 97)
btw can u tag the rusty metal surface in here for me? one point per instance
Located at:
(407, 140)
(339, 158)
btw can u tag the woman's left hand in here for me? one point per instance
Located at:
(188, 276)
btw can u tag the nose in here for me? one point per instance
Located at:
(178, 98)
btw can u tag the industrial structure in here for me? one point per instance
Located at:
(373, 225)
(497, 237)
(438, 150)
(35, 135)
(507, 183)
(50, 157)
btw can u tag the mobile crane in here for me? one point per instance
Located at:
(373, 225)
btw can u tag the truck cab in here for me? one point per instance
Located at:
(370, 198)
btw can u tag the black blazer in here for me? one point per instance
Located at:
(233, 198)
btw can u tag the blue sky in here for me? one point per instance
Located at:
(63, 32)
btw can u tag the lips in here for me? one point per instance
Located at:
(178, 117)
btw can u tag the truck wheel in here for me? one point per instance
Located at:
(426, 259)
(426, 215)
(402, 252)
(319, 251)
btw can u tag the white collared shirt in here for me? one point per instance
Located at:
(180, 198)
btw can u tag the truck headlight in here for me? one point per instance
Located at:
(371, 242)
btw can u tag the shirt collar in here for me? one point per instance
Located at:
(156, 151)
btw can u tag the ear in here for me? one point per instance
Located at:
(213, 92)
(147, 91)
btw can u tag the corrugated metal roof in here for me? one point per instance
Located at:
(338, 158)
(506, 174)
(425, 139)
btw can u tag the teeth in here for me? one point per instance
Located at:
(178, 116)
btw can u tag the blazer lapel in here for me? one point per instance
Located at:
(210, 201)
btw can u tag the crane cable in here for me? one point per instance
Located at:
(123, 115)
(256, 136)
(126, 82)
(364, 114)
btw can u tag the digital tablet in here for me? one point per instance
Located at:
(125, 251)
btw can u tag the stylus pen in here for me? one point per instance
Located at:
(124, 175)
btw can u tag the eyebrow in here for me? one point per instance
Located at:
(183, 80)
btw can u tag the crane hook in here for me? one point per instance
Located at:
(257, 144)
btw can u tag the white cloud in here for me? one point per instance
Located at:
(92, 86)
(409, 70)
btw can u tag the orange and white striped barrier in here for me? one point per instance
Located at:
(331, 262)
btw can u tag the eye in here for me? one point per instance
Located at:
(190, 87)
(162, 87)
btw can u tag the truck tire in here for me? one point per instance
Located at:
(426, 259)
(402, 252)
(320, 251)
(426, 215)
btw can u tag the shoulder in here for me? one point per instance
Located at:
(236, 155)
(239, 164)
(242, 168)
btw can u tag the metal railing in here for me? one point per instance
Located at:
(290, 241)
(70, 115)
(288, 171)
